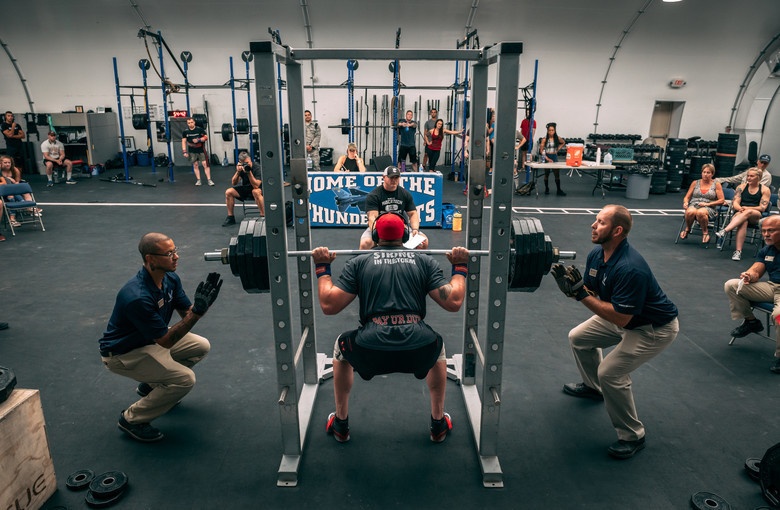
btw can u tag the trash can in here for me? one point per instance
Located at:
(638, 186)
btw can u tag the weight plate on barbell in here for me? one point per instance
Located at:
(79, 480)
(241, 254)
(233, 256)
(709, 501)
(242, 126)
(262, 282)
(108, 484)
(140, 121)
(753, 468)
(227, 132)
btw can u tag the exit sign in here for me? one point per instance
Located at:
(178, 114)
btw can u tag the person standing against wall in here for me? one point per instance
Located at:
(13, 135)
(407, 128)
(313, 134)
(549, 147)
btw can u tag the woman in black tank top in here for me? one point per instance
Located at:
(750, 203)
(350, 162)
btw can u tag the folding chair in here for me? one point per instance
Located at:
(721, 215)
(766, 308)
(22, 209)
(753, 235)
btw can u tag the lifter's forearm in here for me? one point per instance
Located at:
(606, 311)
(178, 330)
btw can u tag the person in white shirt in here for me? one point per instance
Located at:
(54, 156)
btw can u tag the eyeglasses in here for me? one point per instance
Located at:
(170, 254)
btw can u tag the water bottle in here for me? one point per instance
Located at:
(598, 155)
(608, 158)
(309, 163)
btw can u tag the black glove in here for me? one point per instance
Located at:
(576, 284)
(207, 293)
(559, 272)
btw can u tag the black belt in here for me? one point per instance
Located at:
(108, 354)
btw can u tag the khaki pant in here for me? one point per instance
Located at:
(167, 371)
(611, 375)
(739, 304)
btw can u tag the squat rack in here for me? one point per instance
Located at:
(296, 404)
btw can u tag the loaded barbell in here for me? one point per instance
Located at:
(531, 255)
(242, 128)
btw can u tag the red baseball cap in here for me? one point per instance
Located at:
(390, 227)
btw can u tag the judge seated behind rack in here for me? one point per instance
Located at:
(350, 162)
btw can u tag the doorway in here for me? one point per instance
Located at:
(665, 122)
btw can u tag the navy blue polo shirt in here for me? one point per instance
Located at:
(627, 282)
(770, 257)
(142, 312)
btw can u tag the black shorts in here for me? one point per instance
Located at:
(244, 192)
(370, 362)
(404, 151)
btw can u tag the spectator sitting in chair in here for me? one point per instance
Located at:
(10, 170)
(251, 186)
(747, 288)
(751, 200)
(7, 177)
(54, 158)
(762, 164)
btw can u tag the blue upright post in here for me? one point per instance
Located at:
(165, 113)
(121, 122)
(531, 123)
(233, 100)
(144, 65)
(396, 92)
(461, 172)
(351, 100)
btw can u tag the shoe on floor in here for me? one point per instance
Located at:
(737, 255)
(143, 389)
(746, 328)
(211, 183)
(582, 390)
(720, 233)
(338, 428)
(560, 193)
(440, 428)
(2, 238)
(70, 181)
(143, 432)
(622, 449)
(775, 368)
(49, 184)
(230, 220)
(197, 183)
(3, 325)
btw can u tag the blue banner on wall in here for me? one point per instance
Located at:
(338, 199)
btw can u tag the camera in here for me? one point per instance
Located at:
(240, 167)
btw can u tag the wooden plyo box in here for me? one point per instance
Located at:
(27, 476)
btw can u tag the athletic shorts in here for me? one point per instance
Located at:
(370, 362)
(194, 157)
(404, 151)
(244, 192)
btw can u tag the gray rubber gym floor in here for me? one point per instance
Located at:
(707, 406)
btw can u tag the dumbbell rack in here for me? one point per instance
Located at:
(296, 404)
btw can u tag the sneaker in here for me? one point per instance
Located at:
(211, 183)
(50, 184)
(737, 255)
(70, 181)
(775, 368)
(440, 428)
(720, 233)
(560, 193)
(143, 389)
(747, 327)
(37, 212)
(338, 428)
(719, 243)
(582, 390)
(230, 220)
(143, 432)
(622, 449)
(2, 238)
(197, 183)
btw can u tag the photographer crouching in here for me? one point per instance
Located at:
(251, 186)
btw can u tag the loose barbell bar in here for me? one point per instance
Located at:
(531, 255)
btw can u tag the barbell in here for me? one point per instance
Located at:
(531, 255)
(242, 128)
(141, 120)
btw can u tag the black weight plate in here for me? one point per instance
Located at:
(769, 475)
(227, 132)
(96, 502)
(200, 119)
(233, 255)
(79, 480)
(753, 468)
(260, 257)
(709, 501)
(7, 383)
(249, 260)
(240, 253)
(108, 484)
(242, 126)
(140, 121)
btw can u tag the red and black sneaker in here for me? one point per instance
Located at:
(440, 428)
(339, 428)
